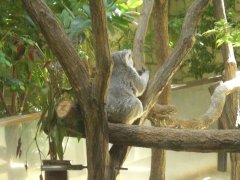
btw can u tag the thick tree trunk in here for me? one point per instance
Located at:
(160, 19)
(97, 137)
(90, 96)
(229, 115)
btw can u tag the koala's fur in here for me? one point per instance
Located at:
(126, 85)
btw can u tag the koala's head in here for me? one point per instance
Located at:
(123, 57)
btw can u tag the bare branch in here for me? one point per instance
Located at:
(175, 139)
(211, 115)
(25, 95)
(139, 39)
(174, 61)
(104, 62)
(14, 94)
(164, 109)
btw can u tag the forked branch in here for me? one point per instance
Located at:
(174, 61)
(210, 116)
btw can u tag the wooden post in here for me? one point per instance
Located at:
(222, 156)
(56, 175)
(229, 114)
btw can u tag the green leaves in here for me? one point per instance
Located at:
(79, 25)
(59, 132)
(225, 33)
(127, 5)
(134, 3)
(66, 18)
(4, 63)
(16, 85)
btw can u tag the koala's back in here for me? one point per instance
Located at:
(122, 103)
(124, 109)
(121, 81)
(126, 84)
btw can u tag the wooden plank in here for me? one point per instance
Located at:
(19, 119)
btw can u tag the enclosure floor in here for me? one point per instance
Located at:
(179, 166)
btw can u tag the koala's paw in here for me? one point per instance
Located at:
(140, 72)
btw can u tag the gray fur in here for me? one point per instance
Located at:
(126, 85)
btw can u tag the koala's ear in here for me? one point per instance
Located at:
(127, 54)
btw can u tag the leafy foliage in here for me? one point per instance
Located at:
(31, 75)
(225, 33)
(202, 56)
(4, 63)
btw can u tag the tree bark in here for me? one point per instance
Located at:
(97, 133)
(167, 138)
(175, 139)
(91, 99)
(139, 39)
(174, 61)
(211, 115)
(160, 21)
(229, 116)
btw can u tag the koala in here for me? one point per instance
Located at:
(126, 85)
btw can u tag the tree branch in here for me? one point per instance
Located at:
(174, 61)
(166, 138)
(2, 99)
(210, 116)
(14, 94)
(103, 58)
(175, 139)
(25, 95)
(96, 125)
(91, 101)
(61, 47)
(139, 39)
